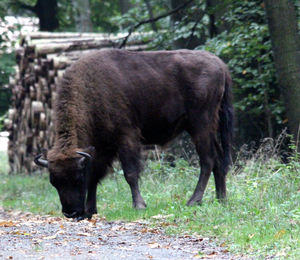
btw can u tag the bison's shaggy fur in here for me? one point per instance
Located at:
(116, 100)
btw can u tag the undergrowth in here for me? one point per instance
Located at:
(261, 217)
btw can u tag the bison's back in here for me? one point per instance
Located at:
(151, 91)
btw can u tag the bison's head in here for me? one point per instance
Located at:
(70, 176)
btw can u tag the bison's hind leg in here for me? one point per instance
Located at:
(219, 173)
(130, 158)
(202, 130)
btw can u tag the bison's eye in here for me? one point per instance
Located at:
(56, 182)
(79, 178)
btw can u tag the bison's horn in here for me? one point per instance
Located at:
(40, 162)
(86, 157)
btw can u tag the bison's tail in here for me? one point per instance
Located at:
(226, 123)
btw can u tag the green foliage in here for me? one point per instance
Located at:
(139, 12)
(7, 63)
(189, 30)
(3, 8)
(102, 15)
(247, 50)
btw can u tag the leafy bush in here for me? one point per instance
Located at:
(7, 63)
(247, 50)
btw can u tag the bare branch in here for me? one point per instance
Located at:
(133, 28)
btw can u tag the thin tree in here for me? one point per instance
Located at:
(45, 10)
(150, 11)
(82, 16)
(284, 31)
(125, 5)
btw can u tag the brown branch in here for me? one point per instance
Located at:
(133, 28)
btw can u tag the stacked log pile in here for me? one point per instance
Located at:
(41, 61)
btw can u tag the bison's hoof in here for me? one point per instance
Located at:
(91, 211)
(140, 205)
(80, 218)
(192, 202)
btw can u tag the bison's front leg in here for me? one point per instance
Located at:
(130, 160)
(91, 207)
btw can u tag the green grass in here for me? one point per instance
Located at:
(261, 217)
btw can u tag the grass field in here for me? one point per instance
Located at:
(260, 219)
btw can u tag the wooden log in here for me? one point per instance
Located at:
(41, 62)
(59, 35)
(8, 124)
(43, 122)
(43, 49)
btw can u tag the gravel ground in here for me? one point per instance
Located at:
(28, 236)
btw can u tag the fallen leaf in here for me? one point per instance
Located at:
(201, 255)
(223, 244)
(279, 234)
(154, 245)
(116, 228)
(251, 235)
(166, 224)
(150, 230)
(7, 224)
(125, 248)
(84, 234)
(18, 232)
(50, 237)
(92, 222)
(54, 236)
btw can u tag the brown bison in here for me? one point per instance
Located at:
(111, 102)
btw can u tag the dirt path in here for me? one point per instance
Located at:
(28, 236)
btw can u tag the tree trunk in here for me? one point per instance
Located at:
(285, 39)
(150, 11)
(46, 10)
(177, 17)
(124, 6)
(82, 13)
(216, 9)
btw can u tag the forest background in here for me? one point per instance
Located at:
(237, 31)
